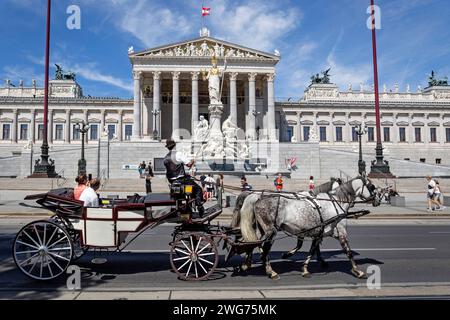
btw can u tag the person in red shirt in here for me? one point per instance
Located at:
(81, 181)
(311, 183)
(279, 182)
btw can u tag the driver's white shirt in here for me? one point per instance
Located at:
(90, 197)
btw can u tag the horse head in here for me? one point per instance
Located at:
(366, 190)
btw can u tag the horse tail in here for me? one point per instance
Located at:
(248, 219)
(236, 219)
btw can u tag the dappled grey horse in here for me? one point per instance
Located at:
(309, 217)
(249, 198)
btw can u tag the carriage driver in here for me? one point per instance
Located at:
(174, 162)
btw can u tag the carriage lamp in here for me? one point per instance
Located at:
(188, 190)
(360, 130)
(83, 128)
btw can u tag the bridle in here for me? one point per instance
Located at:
(370, 188)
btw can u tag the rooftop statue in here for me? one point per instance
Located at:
(61, 75)
(324, 79)
(433, 81)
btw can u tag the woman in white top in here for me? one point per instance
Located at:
(89, 196)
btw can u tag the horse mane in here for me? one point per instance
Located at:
(345, 192)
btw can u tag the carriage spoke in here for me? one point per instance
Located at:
(37, 233)
(196, 272)
(192, 243)
(51, 237)
(34, 241)
(182, 251)
(30, 251)
(41, 267)
(183, 265)
(32, 267)
(204, 260)
(57, 264)
(25, 261)
(58, 256)
(54, 243)
(198, 243)
(189, 269)
(45, 232)
(184, 244)
(204, 248)
(181, 258)
(206, 254)
(202, 267)
(60, 249)
(48, 266)
(27, 244)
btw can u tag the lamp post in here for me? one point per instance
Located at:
(379, 167)
(83, 128)
(156, 135)
(44, 168)
(360, 131)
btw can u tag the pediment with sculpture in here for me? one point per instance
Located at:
(206, 47)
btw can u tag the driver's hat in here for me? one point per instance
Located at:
(170, 143)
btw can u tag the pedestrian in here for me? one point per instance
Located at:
(148, 178)
(438, 196)
(278, 182)
(431, 193)
(209, 182)
(141, 169)
(81, 181)
(311, 183)
(89, 195)
(244, 185)
(219, 185)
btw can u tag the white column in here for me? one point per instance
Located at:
(175, 104)
(50, 126)
(347, 134)
(137, 105)
(120, 128)
(156, 101)
(233, 97)
(14, 126)
(251, 131)
(194, 118)
(102, 122)
(271, 107)
(395, 134)
(33, 125)
(411, 134)
(67, 138)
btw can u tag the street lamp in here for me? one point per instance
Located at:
(156, 135)
(83, 128)
(360, 131)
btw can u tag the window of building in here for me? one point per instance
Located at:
(111, 131)
(418, 134)
(339, 134)
(128, 131)
(438, 161)
(402, 134)
(59, 132)
(76, 135)
(306, 133)
(40, 133)
(93, 132)
(423, 160)
(370, 134)
(354, 134)
(447, 134)
(433, 136)
(387, 134)
(323, 134)
(6, 134)
(23, 131)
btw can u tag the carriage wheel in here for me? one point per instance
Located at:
(42, 250)
(78, 249)
(194, 256)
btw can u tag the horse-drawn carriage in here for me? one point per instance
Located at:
(44, 249)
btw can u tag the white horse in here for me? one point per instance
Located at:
(306, 217)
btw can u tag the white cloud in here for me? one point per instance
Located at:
(16, 73)
(343, 75)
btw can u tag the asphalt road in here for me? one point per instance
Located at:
(406, 254)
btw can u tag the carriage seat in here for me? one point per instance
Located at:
(157, 199)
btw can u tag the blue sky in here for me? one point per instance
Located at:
(311, 36)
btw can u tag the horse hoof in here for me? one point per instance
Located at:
(306, 275)
(274, 276)
(359, 274)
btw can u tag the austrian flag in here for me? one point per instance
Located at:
(205, 11)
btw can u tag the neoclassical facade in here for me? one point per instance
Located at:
(170, 92)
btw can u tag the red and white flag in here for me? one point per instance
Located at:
(205, 11)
